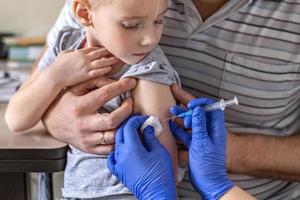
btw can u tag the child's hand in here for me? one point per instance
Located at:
(75, 66)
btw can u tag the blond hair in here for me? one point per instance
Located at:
(92, 3)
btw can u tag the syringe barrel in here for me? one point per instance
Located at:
(221, 104)
(212, 107)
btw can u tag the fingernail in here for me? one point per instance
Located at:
(132, 82)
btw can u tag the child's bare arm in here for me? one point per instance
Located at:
(30, 102)
(155, 99)
(28, 105)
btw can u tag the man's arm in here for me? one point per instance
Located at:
(264, 156)
(258, 155)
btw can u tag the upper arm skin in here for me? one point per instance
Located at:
(155, 99)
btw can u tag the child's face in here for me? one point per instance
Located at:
(129, 29)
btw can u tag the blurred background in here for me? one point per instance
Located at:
(28, 17)
(24, 25)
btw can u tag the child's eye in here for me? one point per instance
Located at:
(132, 26)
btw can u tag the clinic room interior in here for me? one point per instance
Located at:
(23, 30)
(234, 69)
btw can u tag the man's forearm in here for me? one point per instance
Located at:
(265, 156)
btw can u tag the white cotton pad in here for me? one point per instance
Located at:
(155, 123)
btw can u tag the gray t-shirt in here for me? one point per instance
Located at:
(86, 175)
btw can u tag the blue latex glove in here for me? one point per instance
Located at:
(207, 149)
(146, 170)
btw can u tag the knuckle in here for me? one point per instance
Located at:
(110, 148)
(79, 125)
(124, 84)
(76, 110)
(112, 122)
(105, 94)
(129, 107)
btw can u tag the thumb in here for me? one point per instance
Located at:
(180, 134)
(111, 162)
(150, 140)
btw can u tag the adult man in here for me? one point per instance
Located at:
(243, 48)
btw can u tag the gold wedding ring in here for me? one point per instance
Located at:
(102, 138)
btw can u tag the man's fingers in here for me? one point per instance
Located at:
(104, 81)
(109, 136)
(97, 98)
(120, 114)
(100, 137)
(99, 72)
(102, 149)
(106, 121)
(182, 96)
(85, 87)
(92, 145)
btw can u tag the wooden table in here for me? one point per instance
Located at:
(20, 154)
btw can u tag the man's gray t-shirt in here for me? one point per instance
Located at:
(86, 175)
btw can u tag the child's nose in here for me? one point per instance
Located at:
(148, 39)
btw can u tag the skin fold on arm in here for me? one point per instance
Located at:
(155, 99)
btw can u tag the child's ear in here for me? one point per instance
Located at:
(82, 12)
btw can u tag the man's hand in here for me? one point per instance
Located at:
(74, 118)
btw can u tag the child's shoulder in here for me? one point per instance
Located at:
(69, 38)
(155, 67)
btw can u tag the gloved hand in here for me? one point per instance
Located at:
(146, 170)
(207, 148)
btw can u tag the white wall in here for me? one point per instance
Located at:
(28, 17)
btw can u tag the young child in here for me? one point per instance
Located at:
(129, 30)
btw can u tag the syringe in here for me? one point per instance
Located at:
(222, 104)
